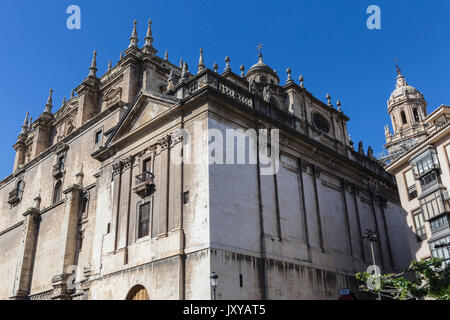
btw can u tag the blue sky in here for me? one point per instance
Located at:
(326, 41)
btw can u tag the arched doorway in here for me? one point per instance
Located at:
(137, 293)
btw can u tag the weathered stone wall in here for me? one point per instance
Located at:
(336, 212)
(10, 246)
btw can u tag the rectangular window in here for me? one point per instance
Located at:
(439, 249)
(98, 137)
(411, 185)
(425, 162)
(147, 166)
(439, 223)
(429, 179)
(433, 205)
(419, 224)
(144, 220)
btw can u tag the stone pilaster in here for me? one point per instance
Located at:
(22, 280)
(88, 99)
(61, 288)
(41, 139)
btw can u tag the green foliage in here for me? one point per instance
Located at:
(426, 280)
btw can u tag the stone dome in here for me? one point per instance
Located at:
(262, 73)
(402, 88)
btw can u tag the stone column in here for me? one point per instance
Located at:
(22, 280)
(69, 243)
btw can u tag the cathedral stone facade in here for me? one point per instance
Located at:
(98, 205)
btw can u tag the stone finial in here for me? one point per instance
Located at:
(216, 67)
(148, 37)
(338, 103)
(48, 105)
(30, 125)
(25, 122)
(134, 39)
(227, 61)
(201, 64)
(242, 68)
(289, 76)
(360, 148)
(121, 56)
(329, 100)
(181, 63)
(37, 201)
(93, 68)
(72, 94)
(24, 131)
(63, 102)
(166, 55)
(184, 72)
(109, 65)
(301, 79)
(370, 153)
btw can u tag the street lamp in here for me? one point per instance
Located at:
(372, 237)
(214, 283)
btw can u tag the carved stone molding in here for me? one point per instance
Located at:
(304, 164)
(60, 291)
(176, 137)
(348, 186)
(117, 167)
(380, 201)
(164, 142)
(61, 148)
(112, 96)
(127, 163)
(316, 171)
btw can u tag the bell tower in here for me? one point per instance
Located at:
(408, 109)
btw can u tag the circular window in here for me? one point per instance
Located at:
(321, 123)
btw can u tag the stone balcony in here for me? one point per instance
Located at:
(13, 197)
(144, 184)
(57, 172)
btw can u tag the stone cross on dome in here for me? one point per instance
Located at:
(399, 70)
(259, 48)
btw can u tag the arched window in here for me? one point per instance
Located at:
(416, 115)
(403, 115)
(138, 293)
(57, 192)
(19, 187)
